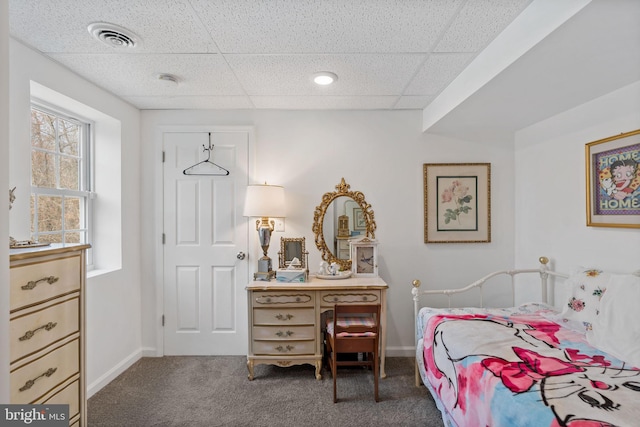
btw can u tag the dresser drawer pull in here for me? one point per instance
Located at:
(284, 316)
(284, 349)
(32, 284)
(29, 334)
(280, 333)
(30, 383)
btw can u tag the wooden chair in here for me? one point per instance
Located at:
(353, 329)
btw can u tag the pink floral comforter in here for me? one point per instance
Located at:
(516, 368)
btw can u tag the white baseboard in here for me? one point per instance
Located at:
(150, 352)
(113, 373)
(401, 352)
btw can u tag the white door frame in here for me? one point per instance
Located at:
(158, 214)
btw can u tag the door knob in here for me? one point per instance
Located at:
(240, 255)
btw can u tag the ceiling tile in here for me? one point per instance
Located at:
(478, 23)
(437, 72)
(136, 75)
(61, 25)
(331, 26)
(365, 74)
(190, 102)
(324, 102)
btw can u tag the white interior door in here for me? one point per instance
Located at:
(205, 309)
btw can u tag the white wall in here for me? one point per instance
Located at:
(380, 153)
(113, 298)
(4, 213)
(550, 192)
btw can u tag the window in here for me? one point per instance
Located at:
(60, 171)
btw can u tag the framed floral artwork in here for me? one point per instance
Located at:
(457, 202)
(613, 181)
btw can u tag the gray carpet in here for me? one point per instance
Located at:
(215, 391)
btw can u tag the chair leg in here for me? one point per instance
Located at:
(334, 374)
(376, 369)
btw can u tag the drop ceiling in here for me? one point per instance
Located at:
(388, 54)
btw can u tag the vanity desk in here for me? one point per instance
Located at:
(285, 325)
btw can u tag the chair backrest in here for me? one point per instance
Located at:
(356, 319)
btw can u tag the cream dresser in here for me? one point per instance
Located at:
(46, 329)
(285, 326)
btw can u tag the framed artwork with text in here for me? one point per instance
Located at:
(613, 181)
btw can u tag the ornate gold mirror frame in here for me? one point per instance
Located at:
(342, 189)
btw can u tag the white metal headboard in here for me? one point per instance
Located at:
(543, 270)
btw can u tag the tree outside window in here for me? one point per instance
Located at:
(59, 177)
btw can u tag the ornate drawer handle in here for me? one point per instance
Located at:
(284, 349)
(32, 284)
(284, 317)
(29, 334)
(280, 333)
(30, 383)
(364, 298)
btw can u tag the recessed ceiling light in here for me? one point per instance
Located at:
(324, 78)
(168, 80)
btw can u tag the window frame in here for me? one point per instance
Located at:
(85, 174)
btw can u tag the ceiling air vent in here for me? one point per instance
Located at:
(113, 35)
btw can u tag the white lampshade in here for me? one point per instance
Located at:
(265, 201)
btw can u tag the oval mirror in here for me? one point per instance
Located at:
(341, 215)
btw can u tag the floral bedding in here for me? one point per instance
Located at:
(516, 367)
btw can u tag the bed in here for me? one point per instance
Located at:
(535, 364)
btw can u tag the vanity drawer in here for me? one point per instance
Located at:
(38, 329)
(284, 333)
(285, 348)
(331, 298)
(44, 373)
(285, 316)
(34, 283)
(283, 299)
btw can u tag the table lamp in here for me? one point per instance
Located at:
(264, 201)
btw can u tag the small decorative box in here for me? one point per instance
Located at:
(290, 275)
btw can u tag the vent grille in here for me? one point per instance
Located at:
(113, 35)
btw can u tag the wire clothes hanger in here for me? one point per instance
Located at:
(220, 171)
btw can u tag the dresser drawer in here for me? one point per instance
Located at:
(38, 329)
(32, 380)
(284, 333)
(331, 298)
(283, 299)
(34, 283)
(285, 348)
(285, 316)
(70, 395)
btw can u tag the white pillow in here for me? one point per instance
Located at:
(616, 329)
(586, 288)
